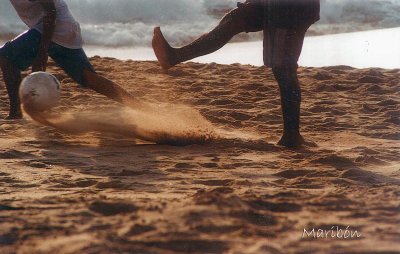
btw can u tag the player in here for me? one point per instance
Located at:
(284, 23)
(53, 32)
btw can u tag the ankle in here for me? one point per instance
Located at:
(14, 115)
(291, 139)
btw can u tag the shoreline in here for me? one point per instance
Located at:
(377, 49)
(364, 49)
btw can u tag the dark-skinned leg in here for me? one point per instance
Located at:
(290, 100)
(109, 89)
(286, 49)
(231, 24)
(12, 80)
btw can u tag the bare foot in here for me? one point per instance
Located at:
(14, 116)
(164, 52)
(291, 140)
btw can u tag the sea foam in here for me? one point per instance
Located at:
(129, 23)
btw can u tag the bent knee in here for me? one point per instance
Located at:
(236, 19)
(234, 16)
(287, 79)
(286, 69)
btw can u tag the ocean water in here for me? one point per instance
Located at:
(129, 23)
(374, 48)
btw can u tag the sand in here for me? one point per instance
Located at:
(108, 192)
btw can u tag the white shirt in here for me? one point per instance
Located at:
(67, 31)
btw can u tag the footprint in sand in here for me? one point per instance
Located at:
(371, 79)
(183, 165)
(108, 208)
(219, 229)
(292, 173)
(256, 218)
(139, 229)
(36, 164)
(224, 182)
(10, 208)
(283, 207)
(190, 246)
(111, 185)
(14, 154)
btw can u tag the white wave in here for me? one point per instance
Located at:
(130, 22)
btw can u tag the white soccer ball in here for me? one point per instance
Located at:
(39, 91)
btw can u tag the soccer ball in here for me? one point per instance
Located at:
(39, 91)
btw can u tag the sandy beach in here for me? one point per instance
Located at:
(230, 189)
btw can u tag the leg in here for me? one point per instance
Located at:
(12, 80)
(290, 100)
(17, 55)
(108, 88)
(234, 22)
(282, 50)
(76, 64)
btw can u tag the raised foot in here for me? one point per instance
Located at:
(162, 50)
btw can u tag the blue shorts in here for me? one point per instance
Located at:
(22, 51)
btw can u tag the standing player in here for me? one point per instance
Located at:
(284, 23)
(53, 32)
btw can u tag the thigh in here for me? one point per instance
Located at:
(72, 61)
(22, 50)
(252, 13)
(283, 46)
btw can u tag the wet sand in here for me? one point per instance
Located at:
(236, 193)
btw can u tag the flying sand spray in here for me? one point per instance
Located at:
(161, 124)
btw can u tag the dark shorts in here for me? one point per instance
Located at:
(22, 51)
(283, 41)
